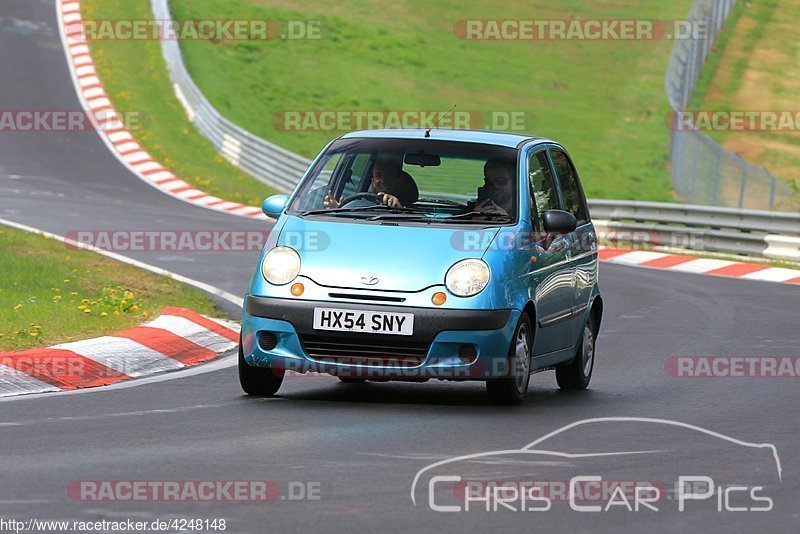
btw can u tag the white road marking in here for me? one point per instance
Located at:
(95, 416)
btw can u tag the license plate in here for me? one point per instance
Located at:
(371, 322)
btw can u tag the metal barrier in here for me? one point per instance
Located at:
(702, 171)
(702, 228)
(267, 162)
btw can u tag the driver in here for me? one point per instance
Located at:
(497, 193)
(387, 179)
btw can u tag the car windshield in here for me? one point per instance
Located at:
(412, 179)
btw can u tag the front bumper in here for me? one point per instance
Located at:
(453, 344)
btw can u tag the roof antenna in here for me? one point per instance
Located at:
(445, 114)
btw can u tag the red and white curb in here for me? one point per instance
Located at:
(690, 264)
(112, 129)
(178, 338)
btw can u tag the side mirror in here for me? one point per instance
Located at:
(559, 222)
(273, 206)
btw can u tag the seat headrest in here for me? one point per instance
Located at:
(409, 192)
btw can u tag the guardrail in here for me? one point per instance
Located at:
(702, 171)
(702, 228)
(265, 161)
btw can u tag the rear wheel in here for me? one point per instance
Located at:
(258, 381)
(578, 373)
(511, 389)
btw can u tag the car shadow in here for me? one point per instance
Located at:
(432, 393)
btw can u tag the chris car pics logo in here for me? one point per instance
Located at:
(580, 482)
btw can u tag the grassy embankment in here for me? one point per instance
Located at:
(51, 293)
(756, 67)
(603, 99)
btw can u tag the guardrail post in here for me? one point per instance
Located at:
(708, 18)
(693, 181)
(717, 176)
(744, 182)
(772, 186)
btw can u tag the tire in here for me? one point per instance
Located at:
(511, 389)
(352, 380)
(258, 381)
(577, 374)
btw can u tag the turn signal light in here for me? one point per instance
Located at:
(439, 298)
(297, 289)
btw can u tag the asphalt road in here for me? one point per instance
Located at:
(358, 447)
(70, 181)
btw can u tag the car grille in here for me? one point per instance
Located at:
(367, 351)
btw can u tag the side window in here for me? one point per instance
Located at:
(356, 174)
(543, 189)
(574, 202)
(322, 183)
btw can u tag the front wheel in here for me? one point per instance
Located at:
(578, 373)
(511, 389)
(258, 381)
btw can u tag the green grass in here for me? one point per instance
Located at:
(762, 14)
(754, 67)
(52, 293)
(715, 58)
(137, 81)
(604, 100)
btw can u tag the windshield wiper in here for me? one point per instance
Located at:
(405, 216)
(467, 217)
(444, 201)
(334, 211)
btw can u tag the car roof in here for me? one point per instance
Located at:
(511, 140)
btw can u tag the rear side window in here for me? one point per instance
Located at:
(574, 201)
(543, 189)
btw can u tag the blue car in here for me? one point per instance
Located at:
(427, 254)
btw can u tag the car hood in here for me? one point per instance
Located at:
(381, 256)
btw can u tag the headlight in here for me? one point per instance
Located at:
(280, 265)
(467, 277)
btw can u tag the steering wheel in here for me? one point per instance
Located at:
(373, 197)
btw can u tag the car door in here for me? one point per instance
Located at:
(550, 272)
(582, 242)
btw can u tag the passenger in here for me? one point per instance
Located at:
(497, 193)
